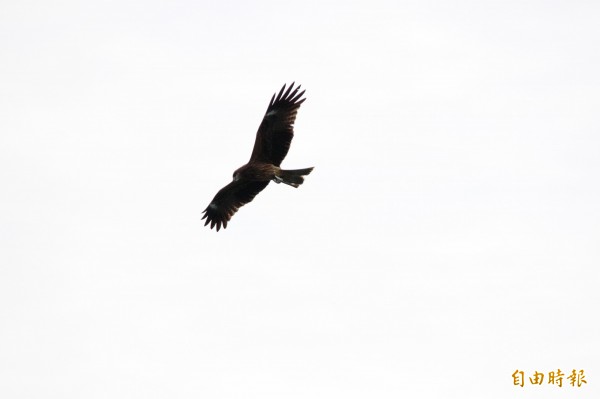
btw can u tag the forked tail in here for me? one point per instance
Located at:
(293, 177)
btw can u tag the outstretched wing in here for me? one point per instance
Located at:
(276, 130)
(229, 199)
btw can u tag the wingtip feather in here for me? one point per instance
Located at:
(272, 100)
(287, 93)
(280, 93)
(293, 98)
(298, 98)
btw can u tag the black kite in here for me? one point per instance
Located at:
(272, 143)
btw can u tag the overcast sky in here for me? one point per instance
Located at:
(448, 236)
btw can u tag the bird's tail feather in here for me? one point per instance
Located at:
(293, 177)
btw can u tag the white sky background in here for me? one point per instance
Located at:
(447, 236)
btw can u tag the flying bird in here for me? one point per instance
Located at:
(272, 143)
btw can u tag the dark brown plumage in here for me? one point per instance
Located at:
(272, 144)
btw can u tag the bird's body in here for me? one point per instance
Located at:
(257, 171)
(272, 143)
